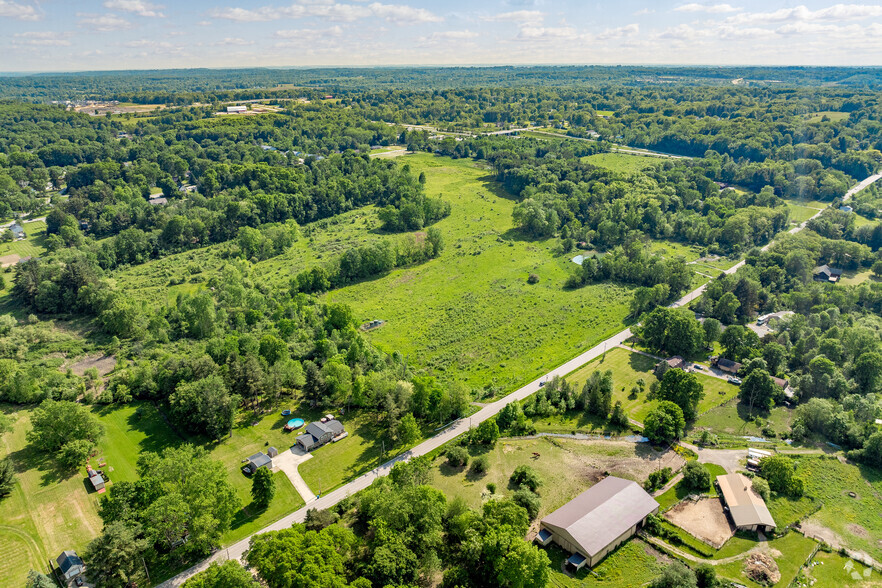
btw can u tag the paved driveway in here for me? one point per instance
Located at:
(287, 461)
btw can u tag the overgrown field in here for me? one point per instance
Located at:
(583, 461)
(635, 563)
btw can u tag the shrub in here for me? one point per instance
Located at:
(761, 487)
(525, 477)
(480, 464)
(533, 279)
(491, 488)
(316, 519)
(457, 456)
(696, 476)
(529, 500)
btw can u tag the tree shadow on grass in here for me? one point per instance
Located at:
(247, 514)
(448, 470)
(51, 471)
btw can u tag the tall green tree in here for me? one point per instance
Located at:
(758, 390)
(263, 487)
(114, 558)
(683, 389)
(7, 476)
(664, 423)
(229, 574)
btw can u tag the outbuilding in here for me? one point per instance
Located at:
(257, 461)
(597, 521)
(825, 273)
(725, 365)
(70, 564)
(747, 509)
(236, 109)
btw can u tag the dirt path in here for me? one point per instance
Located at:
(762, 547)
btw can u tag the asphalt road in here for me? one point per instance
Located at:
(459, 427)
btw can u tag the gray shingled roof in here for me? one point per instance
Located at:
(306, 440)
(598, 516)
(260, 459)
(67, 560)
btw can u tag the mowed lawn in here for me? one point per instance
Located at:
(470, 315)
(50, 510)
(792, 551)
(628, 367)
(733, 418)
(832, 570)
(635, 563)
(32, 245)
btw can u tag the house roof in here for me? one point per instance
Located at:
(746, 506)
(306, 440)
(260, 459)
(728, 363)
(601, 514)
(781, 382)
(316, 429)
(16, 228)
(96, 479)
(676, 362)
(67, 560)
(826, 269)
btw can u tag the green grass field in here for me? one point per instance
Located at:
(831, 570)
(622, 162)
(800, 214)
(794, 549)
(855, 520)
(678, 492)
(32, 246)
(469, 314)
(585, 462)
(732, 419)
(628, 367)
(49, 510)
(633, 564)
(833, 115)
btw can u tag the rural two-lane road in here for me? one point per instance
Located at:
(237, 550)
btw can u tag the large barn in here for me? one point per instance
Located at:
(598, 520)
(747, 508)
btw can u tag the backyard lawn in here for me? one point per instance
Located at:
(831, 570)
(794, 549)
(32, 246)
(733, 418)
(627, 367)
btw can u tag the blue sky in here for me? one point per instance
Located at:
(57, 35)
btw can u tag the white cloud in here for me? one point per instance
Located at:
(451, 35)
(837, 12)
(139, 7)
(546, 34)
(620, 32)
(310, 34)
(403, 14)
(644, 11)
(520, 16)
(104, 23)
(710, 8)
(233, 41)
(42, 38)
(397, 13)
(20, 11)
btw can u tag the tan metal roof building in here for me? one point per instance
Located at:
(747, 508)
(598, 520)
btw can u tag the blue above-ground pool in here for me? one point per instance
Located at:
(295, 423)
(286, 412)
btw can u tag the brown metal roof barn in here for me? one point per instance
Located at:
(598, 520)
(747, 508)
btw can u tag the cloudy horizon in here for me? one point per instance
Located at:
(49, 35)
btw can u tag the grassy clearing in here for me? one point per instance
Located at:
(733, 418)
(468, 315)
(855, 520)
(633, 564)
(832, 115)
(622, 162)
(831, 570)
(584, 462)
(794, 550)
(628, 367)
(31, 246)
(800, 214)
(786, 510)
(853, 278)
(678, 492)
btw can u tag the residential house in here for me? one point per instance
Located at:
(825, 273)
(318, 433)
(70, 564)
(725, 365)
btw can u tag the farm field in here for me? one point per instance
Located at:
(585, 462)
(628, 366)
(635, 563)
(833, 115)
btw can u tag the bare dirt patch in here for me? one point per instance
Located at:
(703, 519)
(618, 458)
(9, 260)
(819, 532)
(858, 531)
(103, 363)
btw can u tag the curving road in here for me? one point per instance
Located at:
(237, 550)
